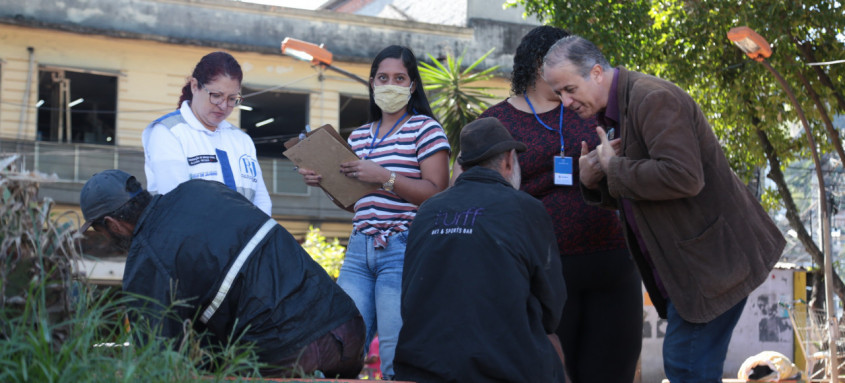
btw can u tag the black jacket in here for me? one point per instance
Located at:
(183, 246)
(481, 287)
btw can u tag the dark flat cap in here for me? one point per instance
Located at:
(484, 138)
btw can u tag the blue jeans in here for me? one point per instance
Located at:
(696, 352)
(373, 278)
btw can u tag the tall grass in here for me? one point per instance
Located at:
(95, 344)
(55, 328)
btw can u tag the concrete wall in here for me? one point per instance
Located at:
(763, 326)
(492, 10)
(260, 28)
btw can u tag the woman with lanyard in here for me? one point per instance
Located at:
(604, 303)
(404, 150)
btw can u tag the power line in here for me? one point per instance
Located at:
(74, 110)
(162, 110)
(279, 86)
(827, 63)
(837, 169)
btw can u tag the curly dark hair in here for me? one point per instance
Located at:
(529, 56)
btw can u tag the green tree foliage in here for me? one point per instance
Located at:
(455, 102)
(618, 28)
(330, 255)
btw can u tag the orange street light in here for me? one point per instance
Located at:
(306, 51)
(754, 45)
(758, 49)
(316, 55)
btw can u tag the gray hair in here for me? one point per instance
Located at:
(496, 161)
(582, 53)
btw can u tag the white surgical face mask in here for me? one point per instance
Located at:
(391, 98)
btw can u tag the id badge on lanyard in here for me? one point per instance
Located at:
(562, 165)
(563, 170)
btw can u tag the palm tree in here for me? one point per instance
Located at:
(455, 102)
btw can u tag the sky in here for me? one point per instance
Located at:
(302, 4)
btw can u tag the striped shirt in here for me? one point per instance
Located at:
(382, 213)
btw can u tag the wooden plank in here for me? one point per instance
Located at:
(101, 272)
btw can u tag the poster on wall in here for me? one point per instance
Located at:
(763, 326)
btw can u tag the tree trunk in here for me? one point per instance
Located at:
(792, 211)
(810, 57)
(831, 131)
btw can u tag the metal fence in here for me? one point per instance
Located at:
(78, 162)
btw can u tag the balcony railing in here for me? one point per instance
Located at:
(78, 162)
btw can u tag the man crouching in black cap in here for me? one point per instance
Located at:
(482, 285)
(242, 275)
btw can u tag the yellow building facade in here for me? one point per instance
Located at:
(150, 77)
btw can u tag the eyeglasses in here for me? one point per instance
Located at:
(217, 98)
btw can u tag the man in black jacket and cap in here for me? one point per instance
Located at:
(241, 274)
(482, 287)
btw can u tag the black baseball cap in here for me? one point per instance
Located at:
(104, 193)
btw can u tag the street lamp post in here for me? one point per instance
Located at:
(317, 55)
(758, 49)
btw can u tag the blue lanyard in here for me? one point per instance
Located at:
(560, 124)
(374, 144)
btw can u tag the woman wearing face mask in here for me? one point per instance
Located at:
(404, 150)
(195, 141)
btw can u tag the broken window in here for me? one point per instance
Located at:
(354, 112)
(76, 106)
(273, 117)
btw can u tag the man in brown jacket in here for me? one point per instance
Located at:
(701, 240)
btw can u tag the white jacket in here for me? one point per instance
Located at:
(177, 148)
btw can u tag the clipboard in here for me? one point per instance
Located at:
(323, 150)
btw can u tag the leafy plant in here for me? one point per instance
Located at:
(34, 250)
(330, 255)
(54, 328)
(456, 103)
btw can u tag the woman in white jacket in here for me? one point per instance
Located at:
(195, 141)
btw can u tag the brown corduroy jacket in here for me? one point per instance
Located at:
(709, 239)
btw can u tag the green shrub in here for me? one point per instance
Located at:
(330, 255)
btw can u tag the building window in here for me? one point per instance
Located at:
(272, 117)
(354, 112)
(76, 106)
